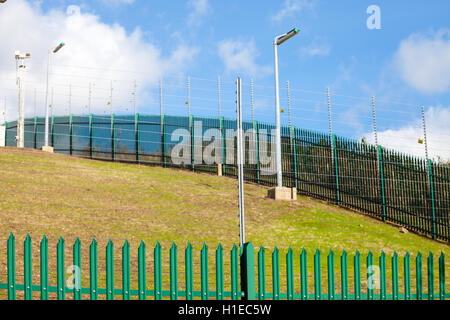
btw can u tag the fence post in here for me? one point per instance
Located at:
(419, 276)
(44, 268)
(173, 273)
(407, 275)
(163, 139)
(224, 151)
(331, 284)
(35, 132)
(6, 133)
(357, 275)
(219, 273)
(189, 272)
(77, 272)
(157, 271)
(248, 272)
(275, 274)
(336, 168)
(53, 131)
(27, 268)
(110, 270)
(235, 294)
(261, 274)
(90, 136)
(304, 275)
(126, 271)
(433, 205)
(136, 125)
(93, 273)
(383, 196)
(70, 135)
(204, 272)
(317, 276)
(60, 270)
(11, 267)
(290, 274)
(142, 271)
(113, 138)
(294, 157)
(258, 168)
(191, 127)
(442, 276)
(430, 274)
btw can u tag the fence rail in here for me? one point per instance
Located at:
(247, 279)
(385, 184)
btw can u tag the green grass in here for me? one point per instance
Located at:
(58, 195)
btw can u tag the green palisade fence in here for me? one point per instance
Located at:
(385, 184)
(247, 279)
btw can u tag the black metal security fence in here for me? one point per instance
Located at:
(384, 184)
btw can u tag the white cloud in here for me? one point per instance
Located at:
(94, 52)
(200, 8)
(405, 139)
(423, 61)
(316, 48)
(118, 1)
(290, 8)
(239, 56)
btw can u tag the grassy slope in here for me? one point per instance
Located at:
(58, 195)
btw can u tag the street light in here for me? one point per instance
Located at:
(46, 92)
(279, 40)
(20, 75)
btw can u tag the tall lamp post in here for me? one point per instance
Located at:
(46, 92)
(20, 70)
(279, 40)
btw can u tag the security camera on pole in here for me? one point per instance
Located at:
(20, 71)
(280, 193)
(46, 147)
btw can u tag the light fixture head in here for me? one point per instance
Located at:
(59, 47)
(282, 38)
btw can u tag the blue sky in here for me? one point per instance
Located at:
(405, 64)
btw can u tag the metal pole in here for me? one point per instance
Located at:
(189, 96)
(21, 111)
(240, 160)
(35, 103)
(134, 105)
(46, 102)
(277, 120)
(160, 99)
(380, 170)
(218, 95)
(222, 160)
(330, 123)
(51, 105)
(70, 99)
(111, 100)
(288, 87)
(252, 101)
(430, 177)
(89, 99)
(374, 121)
(425, 133)
(4, 112)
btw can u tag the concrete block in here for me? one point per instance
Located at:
(282, 193)
(47, 149)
